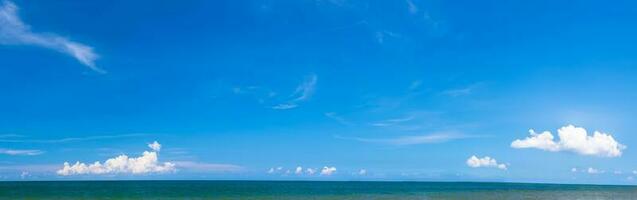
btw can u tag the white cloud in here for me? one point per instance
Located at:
(147, 163)
(16, 152)
(413, 140)
(24, 175)
(486, 161)
(302, 93)
(362, 172)
(13, 31)
(328, 171)
(591, 170)
(310, 171)
(275, 170)
(574, 139)
(155, 146)
(299, 170)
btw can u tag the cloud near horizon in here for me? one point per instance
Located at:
(486, 161)
(13, 31)
(325, 171)
(328, 171)
(206, 167)
(573, 139)
(147, 163)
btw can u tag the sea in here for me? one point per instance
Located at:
(319, 190)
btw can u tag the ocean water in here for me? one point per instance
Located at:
(305, 190)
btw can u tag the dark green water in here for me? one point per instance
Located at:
(305, 190)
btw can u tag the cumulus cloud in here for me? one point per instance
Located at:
(13, 31)
(362, 172)
(299, 170)
(573, 139)
(24, 175)
(275, 170)
(486, 161)
(327, 171)
(17, 152)
(155, 146)
(302, 93)
(591, 170)
(147, 163)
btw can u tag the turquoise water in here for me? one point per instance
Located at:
(305, 190)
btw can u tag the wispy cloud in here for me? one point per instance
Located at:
(70, 139)
(415, 85)
(302, 93)
(30, 168)
(261, 94)
(10, 135)
(382, 35)
(414, 139)
(338, 118)
(13, 31)
(391, 122)
(207, 167)
(21, 152)
(462, 91)
(413, 9)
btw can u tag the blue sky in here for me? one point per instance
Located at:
(351, 90)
